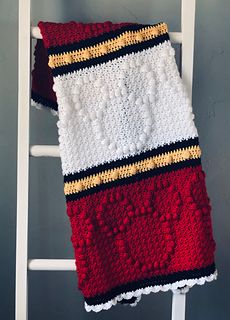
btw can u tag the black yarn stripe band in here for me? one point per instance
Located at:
(156, 280)
(44, 101)
(110, 56)
(132, 159)
(128, 301)
(137, 177)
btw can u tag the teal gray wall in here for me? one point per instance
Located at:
(54, 296)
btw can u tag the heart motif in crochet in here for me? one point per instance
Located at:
(130, 104)
(138, 226)
(122, 218)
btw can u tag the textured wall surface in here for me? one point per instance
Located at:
(54, 295)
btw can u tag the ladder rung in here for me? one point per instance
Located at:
(176, 37)
(178, 306)
(44, 151)
(51, 265)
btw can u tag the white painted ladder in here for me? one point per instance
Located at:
(25, 150)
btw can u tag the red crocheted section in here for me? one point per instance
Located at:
(42, 78)
(156, 226)
(57, 34)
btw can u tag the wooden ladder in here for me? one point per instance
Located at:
(26, 33)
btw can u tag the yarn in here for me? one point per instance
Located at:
(134, 185)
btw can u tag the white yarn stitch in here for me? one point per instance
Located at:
(176, 287)
(132, 304)
(40, 106)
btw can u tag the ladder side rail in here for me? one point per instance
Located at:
(24, 49)
(188, 8)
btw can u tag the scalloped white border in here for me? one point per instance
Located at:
(40, 106)
(176, 287)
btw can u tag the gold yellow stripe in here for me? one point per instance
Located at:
(126, 171)
(125, 39)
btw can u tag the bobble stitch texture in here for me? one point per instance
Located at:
(136, 198)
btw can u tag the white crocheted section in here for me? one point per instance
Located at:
(40, 106)
(132, 304)
(176, 287)
(122, 107)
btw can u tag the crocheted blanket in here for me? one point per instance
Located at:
(133, 181)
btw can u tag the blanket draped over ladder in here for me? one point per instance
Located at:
(134, 185)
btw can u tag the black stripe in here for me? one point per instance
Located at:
(156, 280)
(44, 101)
(110, 56)
(97, 39)
(128, 301)
(131, 159)
(137, 177)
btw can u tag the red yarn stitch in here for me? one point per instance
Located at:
(65, 33)
(156, 226)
